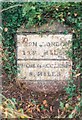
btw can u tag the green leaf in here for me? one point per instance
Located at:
(26, 9)
(65, 32)
(42, 107)
(61, 105)
(14, 100)
(70, 116)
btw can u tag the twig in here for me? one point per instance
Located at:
(10, 7)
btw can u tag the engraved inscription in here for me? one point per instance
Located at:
(44, 70)
(45, 47)
(43, 57)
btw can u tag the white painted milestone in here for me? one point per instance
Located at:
(44, 57)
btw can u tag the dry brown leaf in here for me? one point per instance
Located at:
(30, 104)
(44, 102)
(77, 74)
(74, 111)
(78, 97)
(66, 105)
(29, 110)
(38, 109)
(46, 105)
(51, 108)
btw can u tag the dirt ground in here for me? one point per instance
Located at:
(39, 106)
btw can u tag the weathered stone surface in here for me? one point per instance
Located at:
(43, 47)
(43, 63)
(53, 28)
(44, 70)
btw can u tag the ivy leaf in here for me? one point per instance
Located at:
(70, 116)
(42, 107)
(61, 105)
(65, 32)
(26, 9)
(14, 100)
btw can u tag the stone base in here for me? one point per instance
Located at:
(45, 86)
